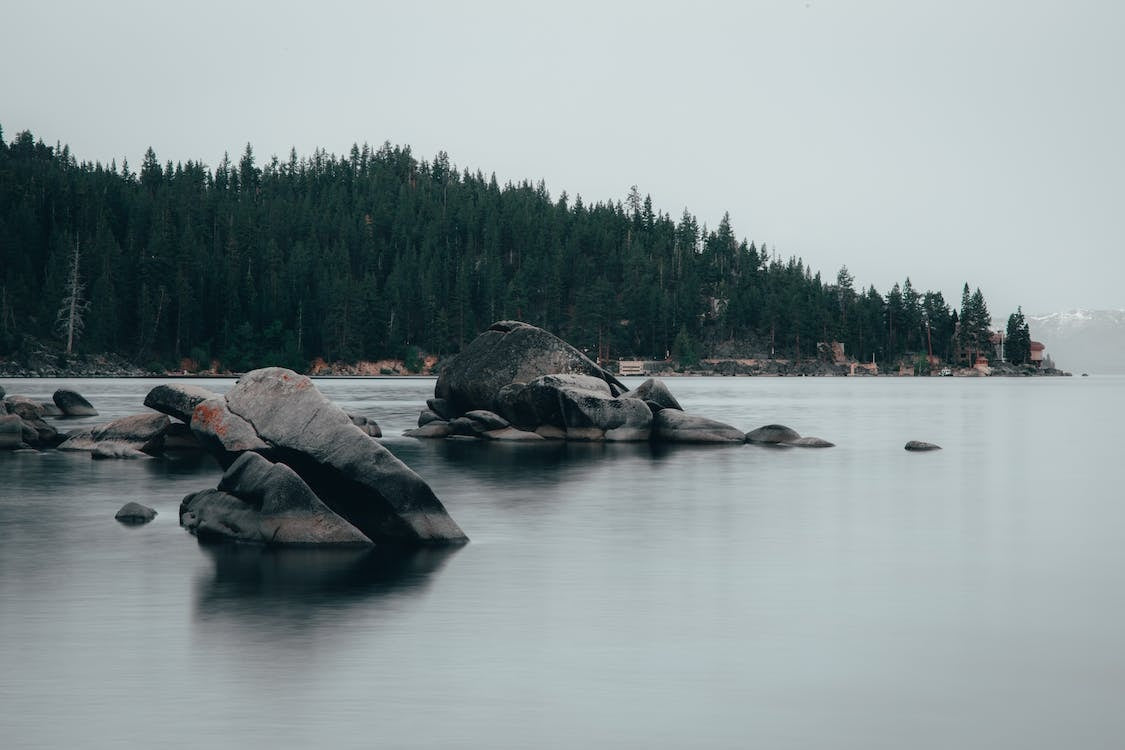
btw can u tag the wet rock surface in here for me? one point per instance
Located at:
(278, 412)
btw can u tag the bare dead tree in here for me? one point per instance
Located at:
(72, 311)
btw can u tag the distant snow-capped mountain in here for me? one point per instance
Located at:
(1083, 340)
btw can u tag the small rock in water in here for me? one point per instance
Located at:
(72, 404)
(918, 445)
(135, 513)
(811, 442)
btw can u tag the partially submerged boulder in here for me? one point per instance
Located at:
(50, 409)
(811, 442)
(508, 352)
(919, 445)
(177, 400)
(116, 449)
(656, 394)
(581, 405)
(435, 429)
(141, 432)
(261, 502)
(772, 434)
(674, 426)
(355, 476)
(72, 404)
(135, 513)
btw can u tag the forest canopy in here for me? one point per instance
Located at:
(377, 253)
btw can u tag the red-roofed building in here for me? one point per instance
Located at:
(1037, 350)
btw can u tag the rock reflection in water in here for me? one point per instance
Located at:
(293, 584)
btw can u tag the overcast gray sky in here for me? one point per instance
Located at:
(946, 141)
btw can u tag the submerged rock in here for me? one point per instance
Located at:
(508, 352)
(674, 426)
(116, 449)
(772, 434)
(72, 404)
(435, 429)
(51, 410)
(261, 502)
(141, 432)
(811, 442)
(919, 445)
(135, 513)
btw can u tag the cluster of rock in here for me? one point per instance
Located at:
(299, 470)
(23, 422)
(518, 382)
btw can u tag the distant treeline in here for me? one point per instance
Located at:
(378, 254)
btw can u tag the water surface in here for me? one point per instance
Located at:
(612, 595)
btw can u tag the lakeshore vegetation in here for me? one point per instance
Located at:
(377, 253)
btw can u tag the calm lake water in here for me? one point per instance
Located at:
(612, 595)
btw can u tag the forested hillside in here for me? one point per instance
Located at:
(380, 254)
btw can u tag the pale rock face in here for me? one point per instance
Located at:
(281, 414)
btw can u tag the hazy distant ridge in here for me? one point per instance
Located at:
(1083, 340)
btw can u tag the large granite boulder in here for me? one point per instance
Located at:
(72, 404)
(265, 503)
(223, 434)
(508, 352)
(141, 432)
(654, 393)
(176, 400)
(674, 426)
(355, 476)
(582, 405)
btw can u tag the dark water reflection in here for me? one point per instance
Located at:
(295, 586)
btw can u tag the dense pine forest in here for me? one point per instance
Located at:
(380, 254)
